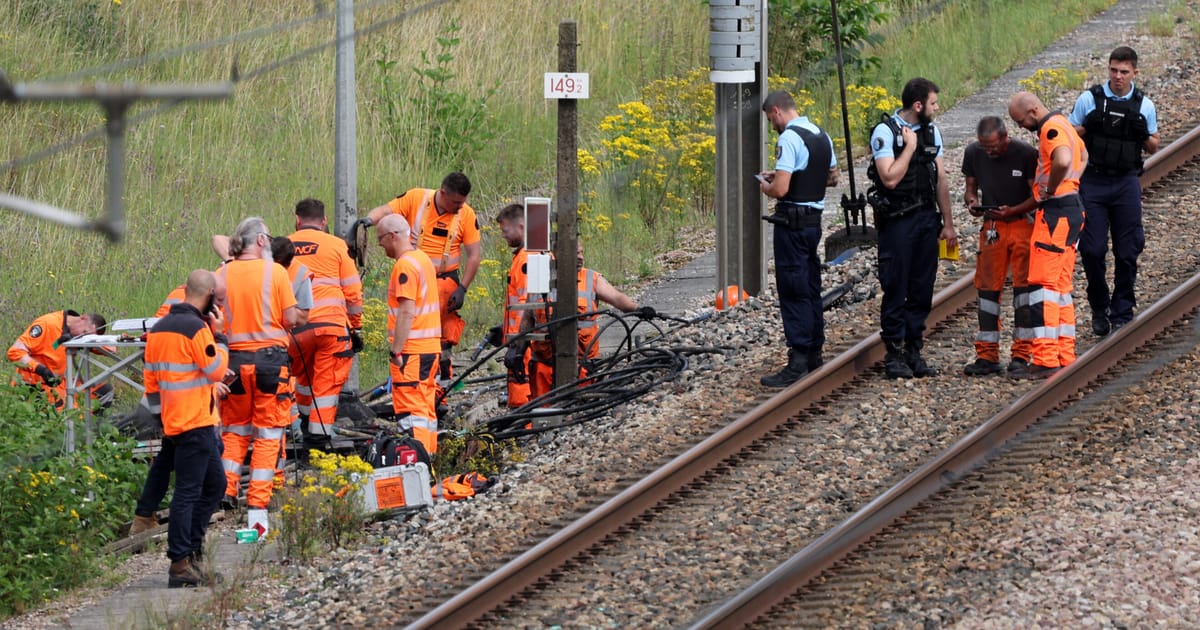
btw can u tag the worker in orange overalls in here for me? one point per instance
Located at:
(323, 349)
(185, 360)
(259, 310)
(414, 331)
(444, 227)
(592, 288)
(1057, 224)
(511, 220)
(42, 361)
(1000, 170)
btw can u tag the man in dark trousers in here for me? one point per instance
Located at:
(911, 199)
(186, 356)
(804, 166)
(1117, 123)
(999, 171)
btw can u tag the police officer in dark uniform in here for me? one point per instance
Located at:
(908, 191)
(804, 166)
(1117, 122)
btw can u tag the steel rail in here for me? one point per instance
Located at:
(951, 465)
(524, 570)
(973, 449)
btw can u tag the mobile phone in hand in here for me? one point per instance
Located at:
(760, 178)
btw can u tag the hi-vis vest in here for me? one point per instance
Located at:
(413, 278)
(588, 326)
(1056, 131)
(518, 281)
(183, 361)
(336, 286)
(441, 237)
(258, 294)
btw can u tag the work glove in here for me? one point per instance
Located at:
(48, 377)
(495, 336)
(356, 340)
(456, 299)
(514, 360)
(646, 312)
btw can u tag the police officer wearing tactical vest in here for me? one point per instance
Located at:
(1117, 122)
(911, 199)
(804, 166)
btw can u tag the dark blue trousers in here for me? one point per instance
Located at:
(798, 281)
(908, 260)
(199, 486)
(158, 479)
(1113, 205)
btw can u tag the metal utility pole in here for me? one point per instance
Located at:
(345, 156)
(737, 50)
(566, 335)
(115, 100)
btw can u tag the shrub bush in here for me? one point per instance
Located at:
(57, 510)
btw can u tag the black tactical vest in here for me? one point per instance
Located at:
(808, 185)
(919, 183)
(1115, 131)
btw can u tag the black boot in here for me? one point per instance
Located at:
(815, 360)
(796, 368)
(894, 364)
(912, 356)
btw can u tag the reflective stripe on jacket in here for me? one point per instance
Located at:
(336, 285)
(413, 278)
(183, 360)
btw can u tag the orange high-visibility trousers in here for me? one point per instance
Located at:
(452, 324)
(414, 392)
(1052, 254)
(257, 410)
(1010, 250)
(321, 361)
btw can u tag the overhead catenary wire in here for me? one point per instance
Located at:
(142, 116)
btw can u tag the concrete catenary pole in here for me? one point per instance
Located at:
(737, 44)
(566, 335)
(345, 158)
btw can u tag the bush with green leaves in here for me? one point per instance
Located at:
(453, 124)
(57, 510)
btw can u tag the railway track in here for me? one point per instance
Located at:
(635, 526)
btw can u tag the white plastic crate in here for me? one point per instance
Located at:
(397, 487)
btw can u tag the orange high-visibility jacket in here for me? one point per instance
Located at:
(413, 278)
(439, 236)
(258, 294)
(518, 280)
(336, 286)
(1056, 131)
(587, 326)
(173, 298)
(183, 361)
(42, 342)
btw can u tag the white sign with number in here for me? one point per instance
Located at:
(566, 85)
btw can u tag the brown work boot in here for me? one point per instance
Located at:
(208, 576)
(142, 524)
(183, 574)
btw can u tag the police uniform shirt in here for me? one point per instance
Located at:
(1086, 103)
(1004, 180)
(793, 153)
(882, 138)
